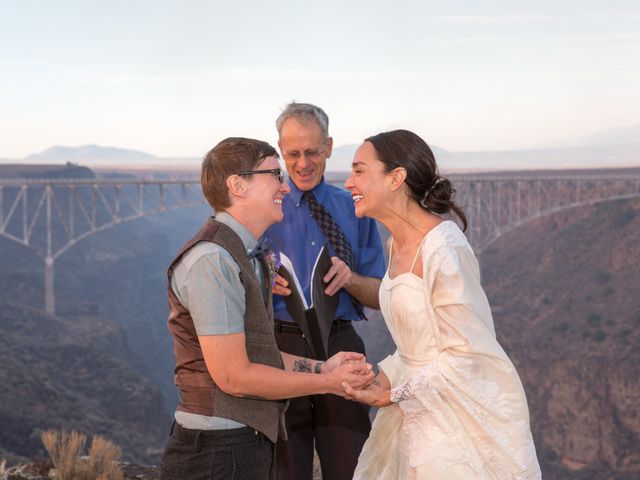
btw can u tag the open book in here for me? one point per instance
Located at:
(314, 320)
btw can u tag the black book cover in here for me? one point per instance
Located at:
(314, 320)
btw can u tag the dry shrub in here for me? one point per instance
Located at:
(103, 460)
(65, 449)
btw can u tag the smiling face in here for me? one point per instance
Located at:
(265, 193)
(305, 151)
(369, 184)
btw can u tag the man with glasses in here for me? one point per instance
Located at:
(317, 213)
(230, 374)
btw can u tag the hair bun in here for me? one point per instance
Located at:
(423, 202)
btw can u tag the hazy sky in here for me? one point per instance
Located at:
(172, 78)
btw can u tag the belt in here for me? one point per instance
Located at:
(190, 435)
(283, 326)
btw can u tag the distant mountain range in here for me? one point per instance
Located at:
(606, 138)
(89, 154)
(617, 147)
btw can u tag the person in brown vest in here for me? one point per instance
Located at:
(232, 379)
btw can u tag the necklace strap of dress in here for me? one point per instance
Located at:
(417, 253)
(390, 252)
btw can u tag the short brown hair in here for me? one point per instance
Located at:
(230, 156)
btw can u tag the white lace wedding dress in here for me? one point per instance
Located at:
(461, 411)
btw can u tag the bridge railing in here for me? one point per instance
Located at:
(496, 205)
(50, 216)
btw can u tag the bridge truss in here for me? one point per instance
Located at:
(495, 205)
(51, 216)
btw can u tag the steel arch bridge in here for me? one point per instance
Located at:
(51, 216)
(497, 204)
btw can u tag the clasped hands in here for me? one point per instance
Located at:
(356, 379)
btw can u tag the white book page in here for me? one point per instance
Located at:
(286, 263)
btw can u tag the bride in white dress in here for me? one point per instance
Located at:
(451, 403)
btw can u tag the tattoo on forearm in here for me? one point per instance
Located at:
(302, 365)
(376, 381)
(318, 367)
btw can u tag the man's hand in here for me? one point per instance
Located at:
(351, 358)
(363, 289)
(338, 276)
(348, 374)
(280, 286)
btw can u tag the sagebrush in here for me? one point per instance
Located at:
(66, 448)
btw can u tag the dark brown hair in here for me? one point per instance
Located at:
(230, 156)
(402, 148)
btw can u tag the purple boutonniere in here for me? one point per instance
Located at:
(272, 260)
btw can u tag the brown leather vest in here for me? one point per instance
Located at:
(198, 392)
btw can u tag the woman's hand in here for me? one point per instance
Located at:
(351, 374)
(373, 394)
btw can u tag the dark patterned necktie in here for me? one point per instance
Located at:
(336, 238)
(331, 230)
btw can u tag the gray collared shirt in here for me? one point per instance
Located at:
(207, 282)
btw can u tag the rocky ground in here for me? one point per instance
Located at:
(565, 294)
(45, 470)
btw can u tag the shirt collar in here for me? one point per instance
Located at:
(248, 240)
(319, 191)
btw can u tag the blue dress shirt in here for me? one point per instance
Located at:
(301, 239)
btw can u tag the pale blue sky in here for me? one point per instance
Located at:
(173, 78)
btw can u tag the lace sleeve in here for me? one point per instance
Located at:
(401, 393)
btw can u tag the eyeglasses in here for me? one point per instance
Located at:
(276, 172)
(308, 154)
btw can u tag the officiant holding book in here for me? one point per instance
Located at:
(317, 214)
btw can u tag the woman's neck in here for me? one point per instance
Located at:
(408, 223)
